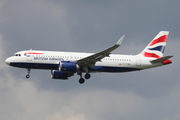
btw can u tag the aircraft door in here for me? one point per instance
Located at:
(29, 58)
(138, 61)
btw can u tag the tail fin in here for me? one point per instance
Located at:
(156, 47)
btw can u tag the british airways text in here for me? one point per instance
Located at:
(46, 58)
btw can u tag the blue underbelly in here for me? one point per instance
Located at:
(56, 67)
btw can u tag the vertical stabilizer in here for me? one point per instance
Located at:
(156, 47)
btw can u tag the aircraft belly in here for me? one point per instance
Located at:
(35, 65)
(119, 69)
(112, 69)
(118, 66)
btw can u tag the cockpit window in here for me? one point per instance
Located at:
(17, 55)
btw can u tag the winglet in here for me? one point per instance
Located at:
(120, 40)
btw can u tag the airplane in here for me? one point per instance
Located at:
(65, 64)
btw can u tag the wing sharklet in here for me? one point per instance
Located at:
(120, 40)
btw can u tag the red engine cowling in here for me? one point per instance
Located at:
(56, 74)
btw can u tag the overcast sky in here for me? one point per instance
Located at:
(89, 26)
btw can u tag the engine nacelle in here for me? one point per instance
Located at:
(67, 66)
(55, 74)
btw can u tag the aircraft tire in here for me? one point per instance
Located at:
(27, 76)
(87, 76)
(81, 80)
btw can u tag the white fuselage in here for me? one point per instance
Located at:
(50, 60)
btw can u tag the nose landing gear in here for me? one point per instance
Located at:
(28, 75)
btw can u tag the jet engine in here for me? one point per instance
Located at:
(56, 74)
(67, 66)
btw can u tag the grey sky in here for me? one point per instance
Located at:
(89, 26)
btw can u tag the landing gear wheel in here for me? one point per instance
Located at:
(27, 76)
(28, 71)
(87, 76)
(81, 80)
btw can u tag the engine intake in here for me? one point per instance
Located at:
(66, 66)
(55, 74)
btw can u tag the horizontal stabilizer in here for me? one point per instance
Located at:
(161, 59)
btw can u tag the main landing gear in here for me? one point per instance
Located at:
(28, 71)
(87, 76)
(82, 80)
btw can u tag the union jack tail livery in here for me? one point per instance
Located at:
(156, 47)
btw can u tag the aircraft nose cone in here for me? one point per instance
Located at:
(7, 61)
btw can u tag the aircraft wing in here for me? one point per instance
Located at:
(92, 59)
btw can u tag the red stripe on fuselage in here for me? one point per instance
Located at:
(160, 39)
(33, 53)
